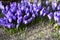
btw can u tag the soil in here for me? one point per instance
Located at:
(36, 32)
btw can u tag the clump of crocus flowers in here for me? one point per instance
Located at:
(25, 12)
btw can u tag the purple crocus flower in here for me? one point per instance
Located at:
(25, 12)
(34, 8)
(55, 13)
(54, 5)
(13, 9)
(58, 13)
(10, 19)
(10, 25)
(18, 13)
(4, 12)
(56, 18)
(31, 18)
(42, 11)
(9, 12)
(50, 15)
(44, 14)
(19, 20)
(13, 4)
(1, 6)
(3, 21)
(25, 17)
(39, 5)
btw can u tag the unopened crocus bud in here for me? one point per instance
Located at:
(4, 12)
(48, 8)
(26, 10)
(58, 7)
(25, 22)
(47, 2)
(19, 6)
(30, 19)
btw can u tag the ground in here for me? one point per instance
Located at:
(39, 31)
